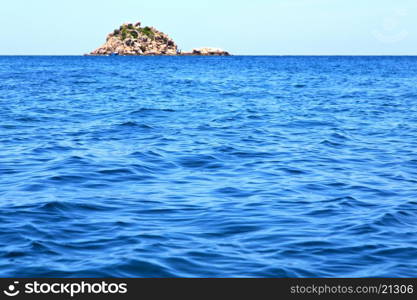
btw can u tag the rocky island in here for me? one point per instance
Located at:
(133, 39)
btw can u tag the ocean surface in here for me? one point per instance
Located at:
(208, 166)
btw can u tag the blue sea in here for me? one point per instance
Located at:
(208, 166)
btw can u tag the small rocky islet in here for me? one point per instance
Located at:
(134, 40)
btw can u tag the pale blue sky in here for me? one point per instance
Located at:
(252, 27)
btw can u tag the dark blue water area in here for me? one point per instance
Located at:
(208, 166)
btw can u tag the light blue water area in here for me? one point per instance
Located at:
(208, 166)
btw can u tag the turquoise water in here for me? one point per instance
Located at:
(208, 166)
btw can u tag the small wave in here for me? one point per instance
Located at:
(34, 187)
(84, 82)
(310, 124)
(15, 254)
(135, 124)
(300, 86)
(27, 119)
(41, 247)
(124, 171)
(146, 155)
(68, 178)
(397, 252)
(253, 154)
(330, 143)
(197, 161)
(58, 206)
(323, 212)
(228, 230)
(234, 192)
(339, 136)
(398, 218)
(152, 110)
(140, 268)
(293, 171)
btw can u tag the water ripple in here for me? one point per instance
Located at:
(220, 167)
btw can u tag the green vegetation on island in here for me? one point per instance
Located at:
(133, 39)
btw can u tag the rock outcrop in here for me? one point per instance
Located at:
(207, 52)
(133, 39)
